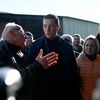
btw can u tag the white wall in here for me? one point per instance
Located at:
(77, 26)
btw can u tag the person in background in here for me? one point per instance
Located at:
(69, 39)
(89, 63)
(11, 45)
(29, 38)
(82, 41)
(76, 43)
(62, 81)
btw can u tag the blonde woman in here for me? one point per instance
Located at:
(89, 63)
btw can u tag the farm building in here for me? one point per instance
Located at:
(33, 23)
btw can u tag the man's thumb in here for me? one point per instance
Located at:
(40, 54)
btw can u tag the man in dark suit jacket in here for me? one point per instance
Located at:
(61, 81)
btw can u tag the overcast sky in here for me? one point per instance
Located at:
(82, 9)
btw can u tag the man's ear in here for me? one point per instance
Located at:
(13, 35)
(58, 28)
(12, 32)
(14, 38)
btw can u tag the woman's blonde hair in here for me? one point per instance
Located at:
(92, 37)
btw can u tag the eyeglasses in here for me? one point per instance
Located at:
(19, 32)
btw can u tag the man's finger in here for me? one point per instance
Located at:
(52, 63)
(52, 60)
(49, 54)
(40, 54)
(52, 57)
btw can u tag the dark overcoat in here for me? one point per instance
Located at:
(61, 81)
(11, 55)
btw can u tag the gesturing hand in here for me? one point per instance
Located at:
(48, 60)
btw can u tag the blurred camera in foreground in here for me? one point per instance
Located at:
(10, 83)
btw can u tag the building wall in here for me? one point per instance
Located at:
(77, 26)
(33, 23)
(2, 27)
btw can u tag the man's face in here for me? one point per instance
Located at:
(19, 37)
(90, 47)
(50, 28)
(29, 40)
(76, 40)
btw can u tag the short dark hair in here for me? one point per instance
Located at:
(54, 17)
